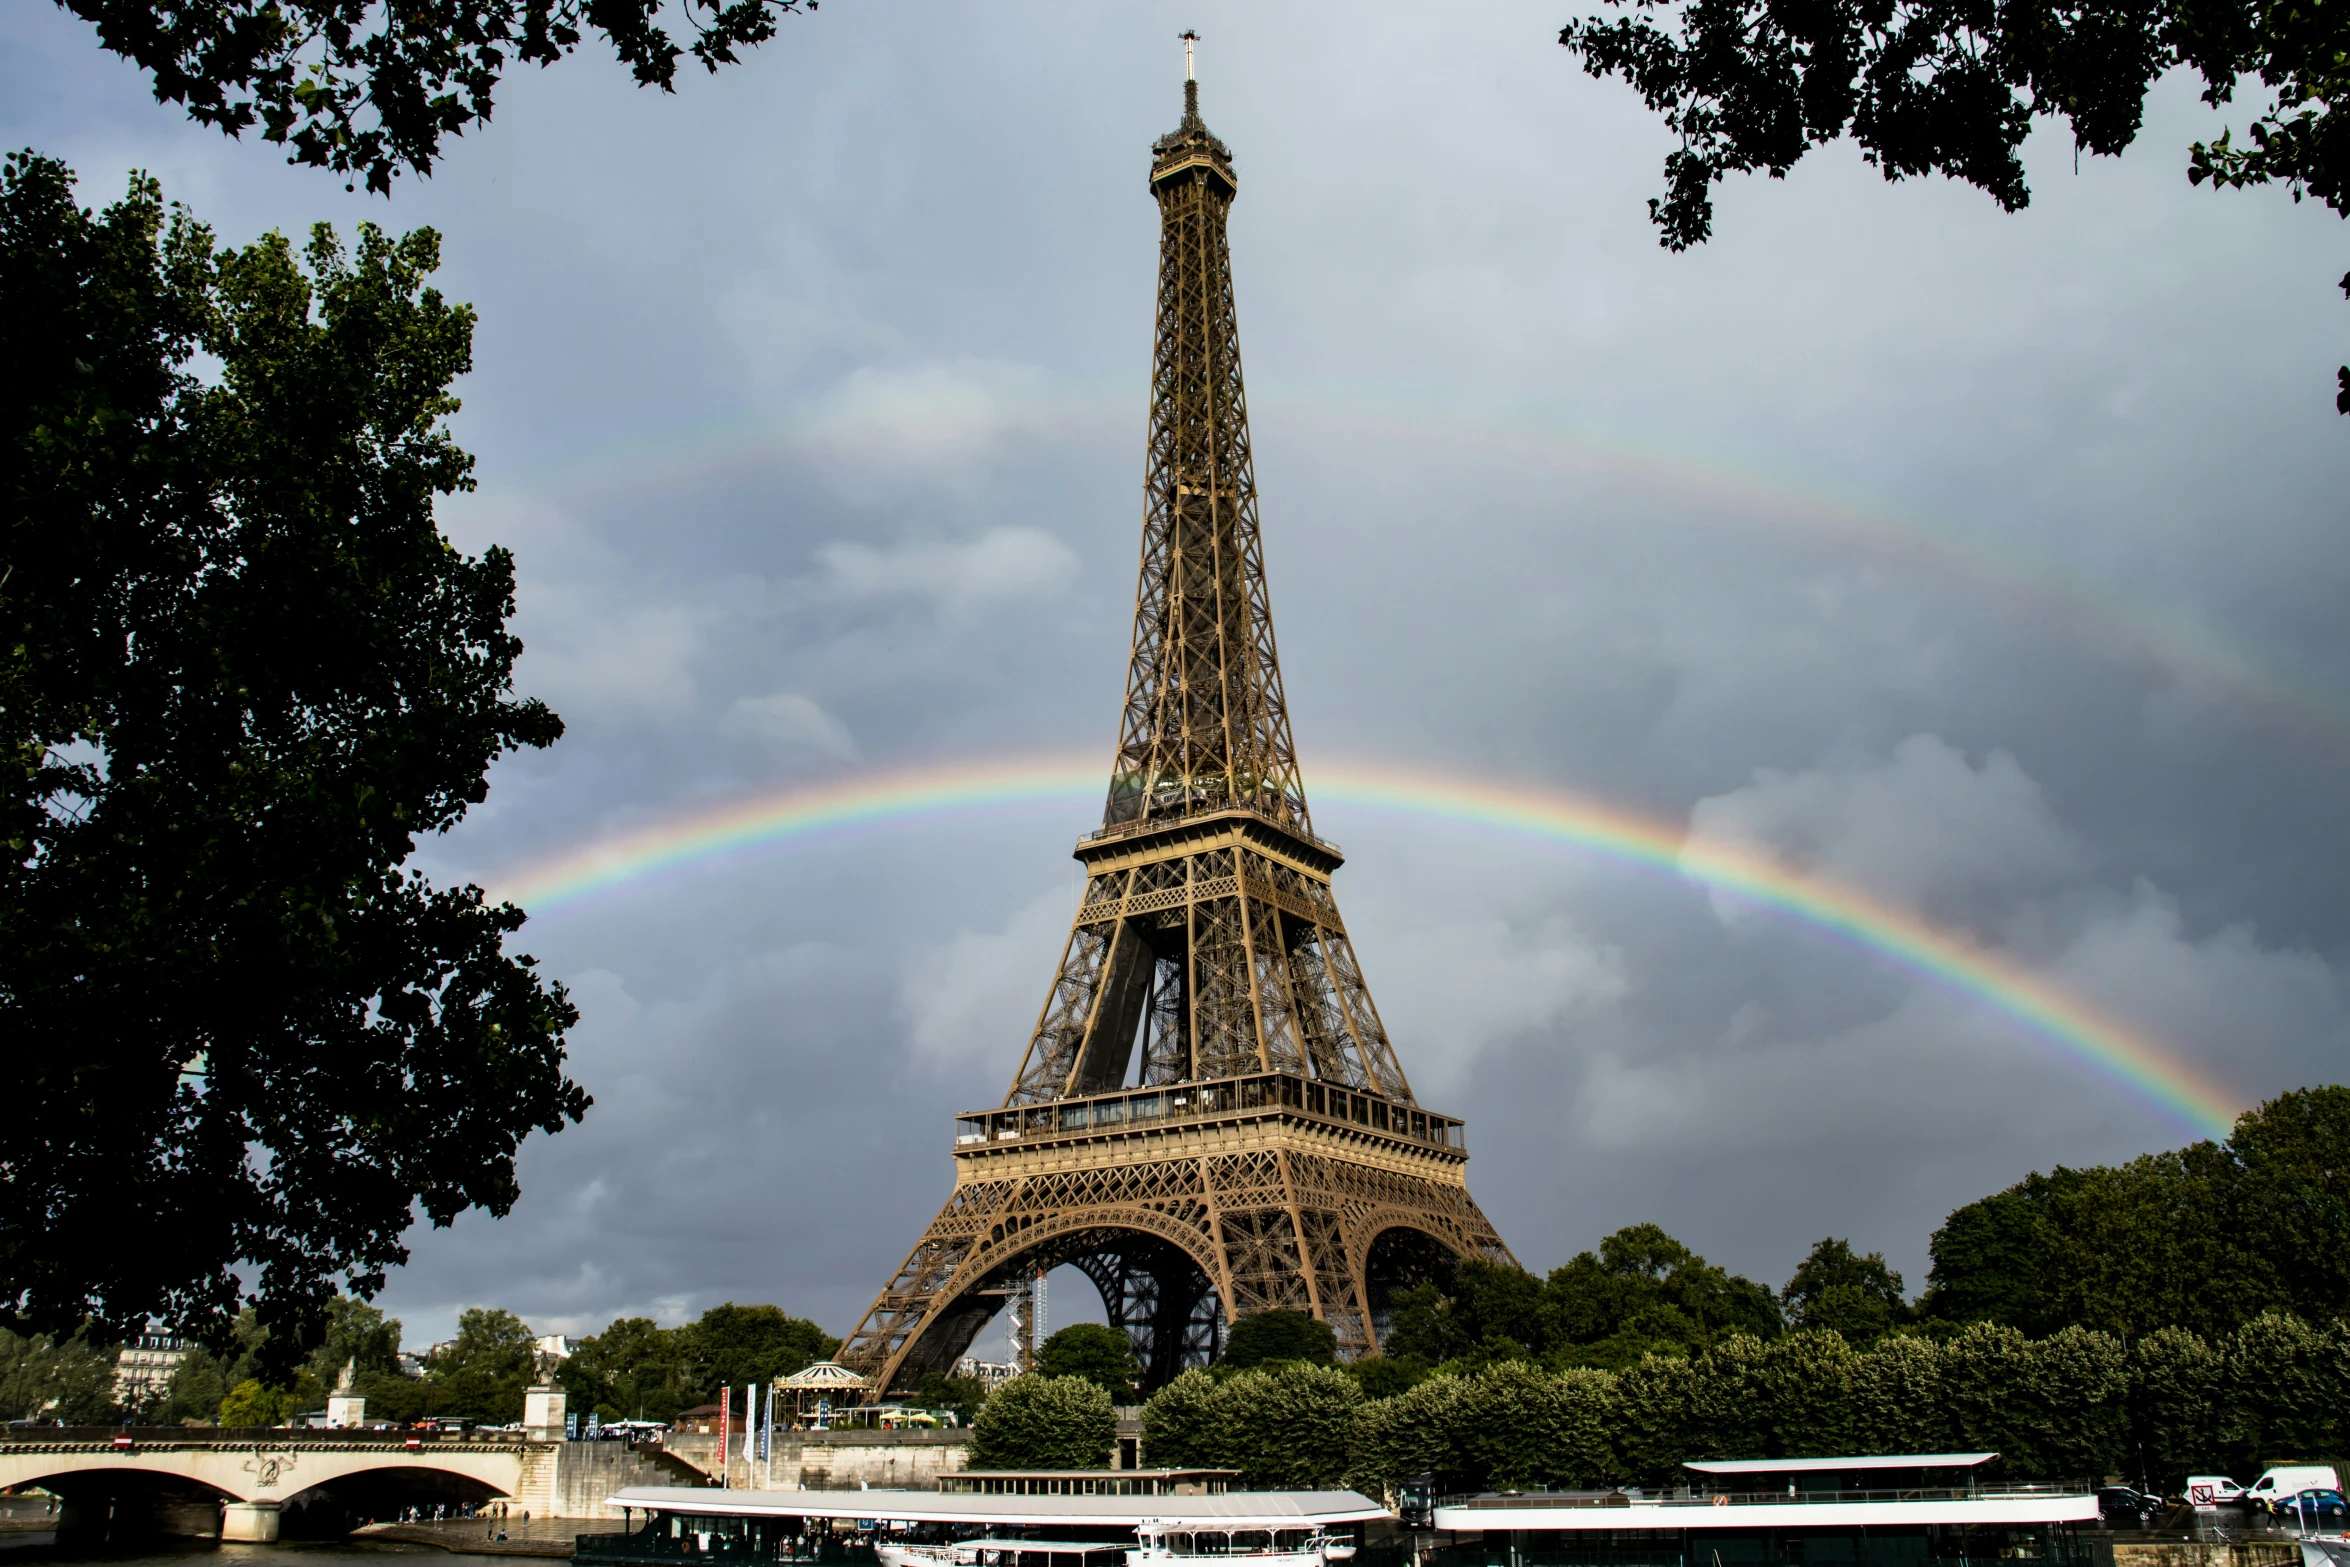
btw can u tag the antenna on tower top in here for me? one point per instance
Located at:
(1190, 70)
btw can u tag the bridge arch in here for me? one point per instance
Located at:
(265, 1467)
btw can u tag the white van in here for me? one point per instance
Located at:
(2211, 1491)
(2287, 1479)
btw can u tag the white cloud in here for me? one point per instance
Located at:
(1002, 565)
(1923, 827)
(942, 420)
(590, 652)
(788, 721)
(974, 999)
(1453, 989)
(2252, 1012)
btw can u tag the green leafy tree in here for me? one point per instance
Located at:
(1271, 1336)
(2281, 1390)
(2293, 1158)
(1655, 1403)
(1101, 1355)
(734, 1346)
(1953, 89)
(194, 1393)
(959, 1396)
(1523, 1428)
(1040, 1422)
(403, 1399)
(1384, 1376)
(345, 86)
(69, 1380)
(1900, 1400)
(634, 1370)
(482, 1373)
(1179, 1423)
(1422, 1326)
(241, 671)
(2054, 1408)
(254, 1403)
(1422, 1430)
(359, 1336)
(1643, 1292)
(202, 1379)
(1487, 1311)
(2180, 1239)
(1856, 1296)
(1286, 1425)
(1987, 1261)
(2175, 1385)
(1807, 1378)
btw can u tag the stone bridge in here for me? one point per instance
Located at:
(238, 1483)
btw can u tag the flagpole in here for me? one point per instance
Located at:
(726, 1435)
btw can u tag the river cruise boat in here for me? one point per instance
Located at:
(1156, 1544)
(985, 1552)
(1088, 1482)
(1902, 1510)
(667, 1524)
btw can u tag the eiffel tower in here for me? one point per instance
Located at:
(1262, 1149)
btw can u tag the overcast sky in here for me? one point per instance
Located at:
(1992, 564)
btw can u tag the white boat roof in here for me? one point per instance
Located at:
(1701, 1515)
(1797, 1466)
(1232, 1510)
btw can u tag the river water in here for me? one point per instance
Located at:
(291, 1553)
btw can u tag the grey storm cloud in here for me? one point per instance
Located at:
(1991, 564)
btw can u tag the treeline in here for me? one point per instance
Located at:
(478, 1375)
(634, 1369)
(70, 1380)
(2075, 1405)
(638, 1370)
(2206, 1238)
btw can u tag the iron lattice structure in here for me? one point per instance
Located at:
(1265, 1149)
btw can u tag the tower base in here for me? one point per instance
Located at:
(1244, 1208)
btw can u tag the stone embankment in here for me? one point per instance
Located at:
(831, 1460)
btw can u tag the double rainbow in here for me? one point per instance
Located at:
(791, 817)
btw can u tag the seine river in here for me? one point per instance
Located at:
(293, 1553)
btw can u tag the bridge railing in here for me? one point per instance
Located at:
(246, 1436)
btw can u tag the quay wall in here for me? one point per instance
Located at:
(834, 1460)
(587, 1473)
(2196, 1553)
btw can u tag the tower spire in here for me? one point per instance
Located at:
(1205, 725)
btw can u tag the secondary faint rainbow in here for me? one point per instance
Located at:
(1742, 492)
(789, 818)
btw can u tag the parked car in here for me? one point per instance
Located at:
(2123, 1507)
(2317, 1510)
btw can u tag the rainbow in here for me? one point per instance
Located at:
(844, 807)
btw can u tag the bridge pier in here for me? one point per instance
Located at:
(249, 1523)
